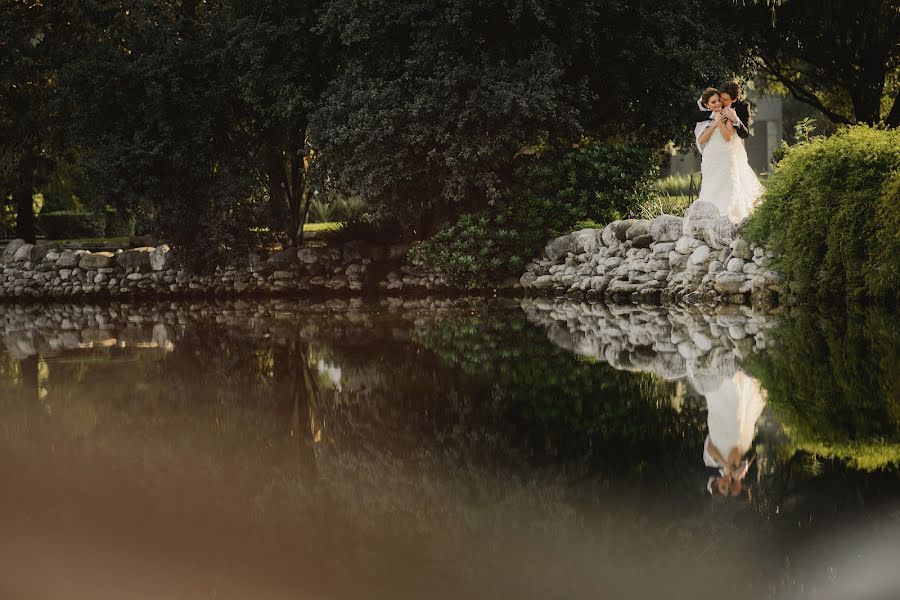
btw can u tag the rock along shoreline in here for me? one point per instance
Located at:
(631, 261)
(658, 261)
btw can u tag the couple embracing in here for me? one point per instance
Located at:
(728, 182)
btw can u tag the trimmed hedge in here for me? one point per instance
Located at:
(831, 213)
(119, 223)
(69, 224)
(66, 224)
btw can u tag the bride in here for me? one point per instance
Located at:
(728, 182)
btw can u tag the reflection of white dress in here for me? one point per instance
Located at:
(732, 411)
(728, 181)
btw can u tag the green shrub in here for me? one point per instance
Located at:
(587, 224)
(831, 214)
(67, 224)
(594, 182)
(478, 249)
(597, 181)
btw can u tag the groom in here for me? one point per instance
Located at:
(737, 110)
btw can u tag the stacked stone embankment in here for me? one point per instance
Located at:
(662, 260)
(43, 271)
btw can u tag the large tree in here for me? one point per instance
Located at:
(199, 118)
(841, 56)
(435, 98)
(29, 42)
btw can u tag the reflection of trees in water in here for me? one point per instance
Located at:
(464, 420)
(834, 382)
(569, 407)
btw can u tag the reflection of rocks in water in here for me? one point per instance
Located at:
(50, 329)
(671, 342)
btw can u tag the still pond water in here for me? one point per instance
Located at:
(447, 449)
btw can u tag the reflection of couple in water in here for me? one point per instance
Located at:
(734, 404)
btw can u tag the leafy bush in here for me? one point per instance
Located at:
(478, 249)
(587, 224)
(66, 224)
(595, 182)
(831, 214)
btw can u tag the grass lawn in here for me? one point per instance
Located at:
(329, 226)
(122, 241)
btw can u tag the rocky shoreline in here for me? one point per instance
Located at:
(46, 272)
(658, 261)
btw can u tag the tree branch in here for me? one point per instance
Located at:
(803, 95)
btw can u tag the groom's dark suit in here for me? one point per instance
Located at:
(741, 108)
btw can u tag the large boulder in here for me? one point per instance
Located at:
(639, 228)
(666, 228)
(703, 221)
(38, 252)
(135, 258)
(588, 240)
(741, 249)
(620, 228)
(608, 236)
(642, 241)
(10, 251)
(96, 260)
(686, 245)
(68, 259)
(719, 233)
(308, 256)
(728, 283)
(23, 253)
(161, 258)
(700, 256)
(559, 247)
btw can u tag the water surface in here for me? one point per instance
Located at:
(447, 449)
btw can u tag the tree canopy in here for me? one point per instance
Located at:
(842, 56)
(215, 121)
(434, 99)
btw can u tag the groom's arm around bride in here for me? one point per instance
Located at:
(741, 110)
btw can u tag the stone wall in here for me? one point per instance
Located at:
(657, 261)
(44, 271)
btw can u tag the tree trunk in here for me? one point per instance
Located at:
(23, 199)
(288, 181)
(893, 118)
(296, 390)
(866, 96)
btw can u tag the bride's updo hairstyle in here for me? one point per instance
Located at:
(707, 94)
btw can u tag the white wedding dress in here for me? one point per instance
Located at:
(729, 182)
